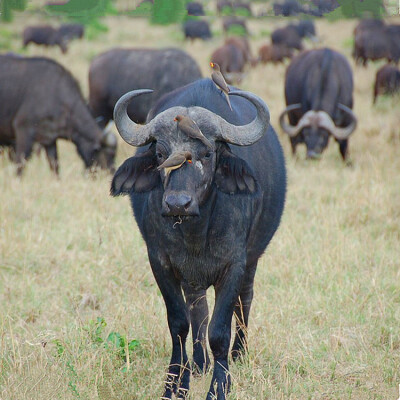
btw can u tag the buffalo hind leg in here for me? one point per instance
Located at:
(196, 301)
(219, 331)
(52, 157)
(24, 138)
(178, 375)
(242, 311)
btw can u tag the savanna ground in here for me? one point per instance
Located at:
(82, 318)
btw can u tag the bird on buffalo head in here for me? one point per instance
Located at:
(191, 129)
(219, 80)
(174, 161)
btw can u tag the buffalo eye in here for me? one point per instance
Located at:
(159, 155)
(208, 155)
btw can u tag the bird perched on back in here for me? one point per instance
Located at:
(219, 80)
(175, 161)
(191, 129)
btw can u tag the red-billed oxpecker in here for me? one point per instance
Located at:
(191, 129)
(174, 161)
(219, 80)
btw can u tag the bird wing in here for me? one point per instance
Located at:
(174, 161)
(219, 80)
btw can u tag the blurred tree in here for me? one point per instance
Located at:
(358, 9)
(85, 12)
(168, 11)
(6, 7)
(82, 11)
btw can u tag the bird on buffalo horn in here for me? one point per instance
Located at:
(219, 80)
(191, 129)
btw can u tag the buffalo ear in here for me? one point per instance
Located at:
(136, 174)
(233, 175)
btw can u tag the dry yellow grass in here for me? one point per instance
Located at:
(325, 319)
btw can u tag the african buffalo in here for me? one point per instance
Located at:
(197, 29)
(387, 81)
(305, 28)
(287, 36)
(235, 23)
(209, 222)
(234, 7)
(195, 8)
(42, 102)
(117, 71)
(232, 57)
(319, 98)
(274, 53)
(44, 35)
(287, 8)
(71, 31)
(374, 40)
(231, 62)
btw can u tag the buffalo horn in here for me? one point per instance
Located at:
(291, 130)
(245, 135)
(344, 133)
(320, 119)
(133, 134)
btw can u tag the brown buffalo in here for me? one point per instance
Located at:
(274, 53)
(232, 57)
(387, 81)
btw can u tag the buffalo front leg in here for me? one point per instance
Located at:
(52, 157)
(242, 311)
(219, 332)
(178, 375)
(196, 301)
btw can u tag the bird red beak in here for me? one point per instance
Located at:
(211, 64)
(189, 161)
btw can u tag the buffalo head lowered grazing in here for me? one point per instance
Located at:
(319, 98)
(207, 217)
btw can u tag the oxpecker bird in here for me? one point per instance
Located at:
(219, 80)
(175, 161)
(191, 129)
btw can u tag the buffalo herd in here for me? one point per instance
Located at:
(208, 217)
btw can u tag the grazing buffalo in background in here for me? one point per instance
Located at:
(274, 53)
(235, 23)
(42, 102)
(244, 45)
(231, 61)
(71, 31)
(374, 40)
(234, 7)
(305, 28)
(44, 35)
(287, 36)
(387, 81)
(117, 71)
(209, 222)
(232, 57)
(319, 98)
(325, 6)
(195, 9)
(197, 29)
(287, 8)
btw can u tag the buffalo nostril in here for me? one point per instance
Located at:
(178, 201)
